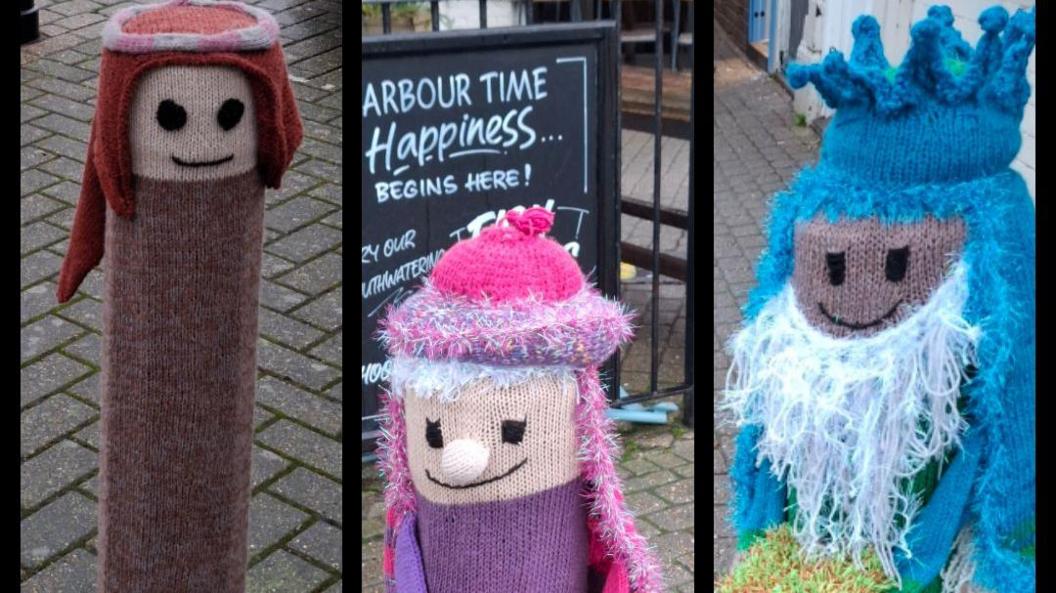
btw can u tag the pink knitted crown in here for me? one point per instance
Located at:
(510, 296)
(504, 263)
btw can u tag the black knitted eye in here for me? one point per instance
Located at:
(513, 431)
(171, 116)
(837, 264)
(897, 262)
(433, 435)
(230, 113)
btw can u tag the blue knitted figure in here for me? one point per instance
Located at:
(884, 377)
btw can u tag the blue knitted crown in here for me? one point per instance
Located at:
(948, 113)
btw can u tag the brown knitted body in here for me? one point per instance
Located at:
(182, 281)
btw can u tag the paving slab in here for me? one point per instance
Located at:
(55, 528)
(757, 148)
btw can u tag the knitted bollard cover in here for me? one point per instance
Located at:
(883, 381)
(194, 118)
(497, 454)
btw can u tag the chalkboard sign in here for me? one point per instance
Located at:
(459, 127)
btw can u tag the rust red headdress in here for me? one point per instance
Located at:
(178, 32)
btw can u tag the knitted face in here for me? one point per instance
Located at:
(493, 442)
(856, 278)
(192, 123)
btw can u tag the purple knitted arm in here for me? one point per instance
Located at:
(410, 576)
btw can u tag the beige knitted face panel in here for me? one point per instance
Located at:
(547, 450)
(205, 149)
(856, 278)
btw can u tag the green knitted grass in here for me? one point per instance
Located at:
(774, 565)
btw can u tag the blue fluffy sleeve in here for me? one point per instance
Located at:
(758, 497)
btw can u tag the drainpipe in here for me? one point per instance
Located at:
(28, 22)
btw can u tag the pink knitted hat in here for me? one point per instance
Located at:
(505, 263)
(510, 296)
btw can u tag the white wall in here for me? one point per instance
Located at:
(465, 14)
(896, 17)
(831, 30)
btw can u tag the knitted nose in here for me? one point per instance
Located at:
(463, 461)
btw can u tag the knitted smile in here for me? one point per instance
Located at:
(847, 421)
(852, 325)
(184, 163)
(475, 484)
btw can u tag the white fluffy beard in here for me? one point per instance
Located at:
(848, 421)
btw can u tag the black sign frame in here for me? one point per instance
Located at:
(604, 36)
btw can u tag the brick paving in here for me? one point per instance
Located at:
(295, 516)
(658, 462)
(758, 149)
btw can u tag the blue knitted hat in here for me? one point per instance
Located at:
(948, 113)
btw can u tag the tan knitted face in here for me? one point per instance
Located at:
(856, 278)
(493, 442)
(192, 123)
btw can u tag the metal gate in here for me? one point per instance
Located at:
(533, 12)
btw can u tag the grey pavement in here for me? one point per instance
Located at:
(758, 149)
(657, 462)
(295, 515)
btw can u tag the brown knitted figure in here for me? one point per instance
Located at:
(195, 117)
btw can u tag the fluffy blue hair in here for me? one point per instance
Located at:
(910, 168)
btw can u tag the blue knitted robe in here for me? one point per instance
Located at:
(933, 137)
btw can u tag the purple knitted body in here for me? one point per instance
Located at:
(534, 544)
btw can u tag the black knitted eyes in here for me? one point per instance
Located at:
(171, 116)
(837, 264)
(433, 436)
(230, 114)
(897, 261)
(513, 431)
(894, 267)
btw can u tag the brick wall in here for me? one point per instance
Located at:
(732, 16)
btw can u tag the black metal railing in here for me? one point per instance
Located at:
(660, 264)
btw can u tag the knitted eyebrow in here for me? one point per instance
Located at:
(433, 434)
(513, 430)
(896, 264)
(837, 265)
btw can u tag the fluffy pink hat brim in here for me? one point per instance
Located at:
(581, 331)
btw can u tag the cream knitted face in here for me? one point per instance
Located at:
(493, 442)
(192, 123)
